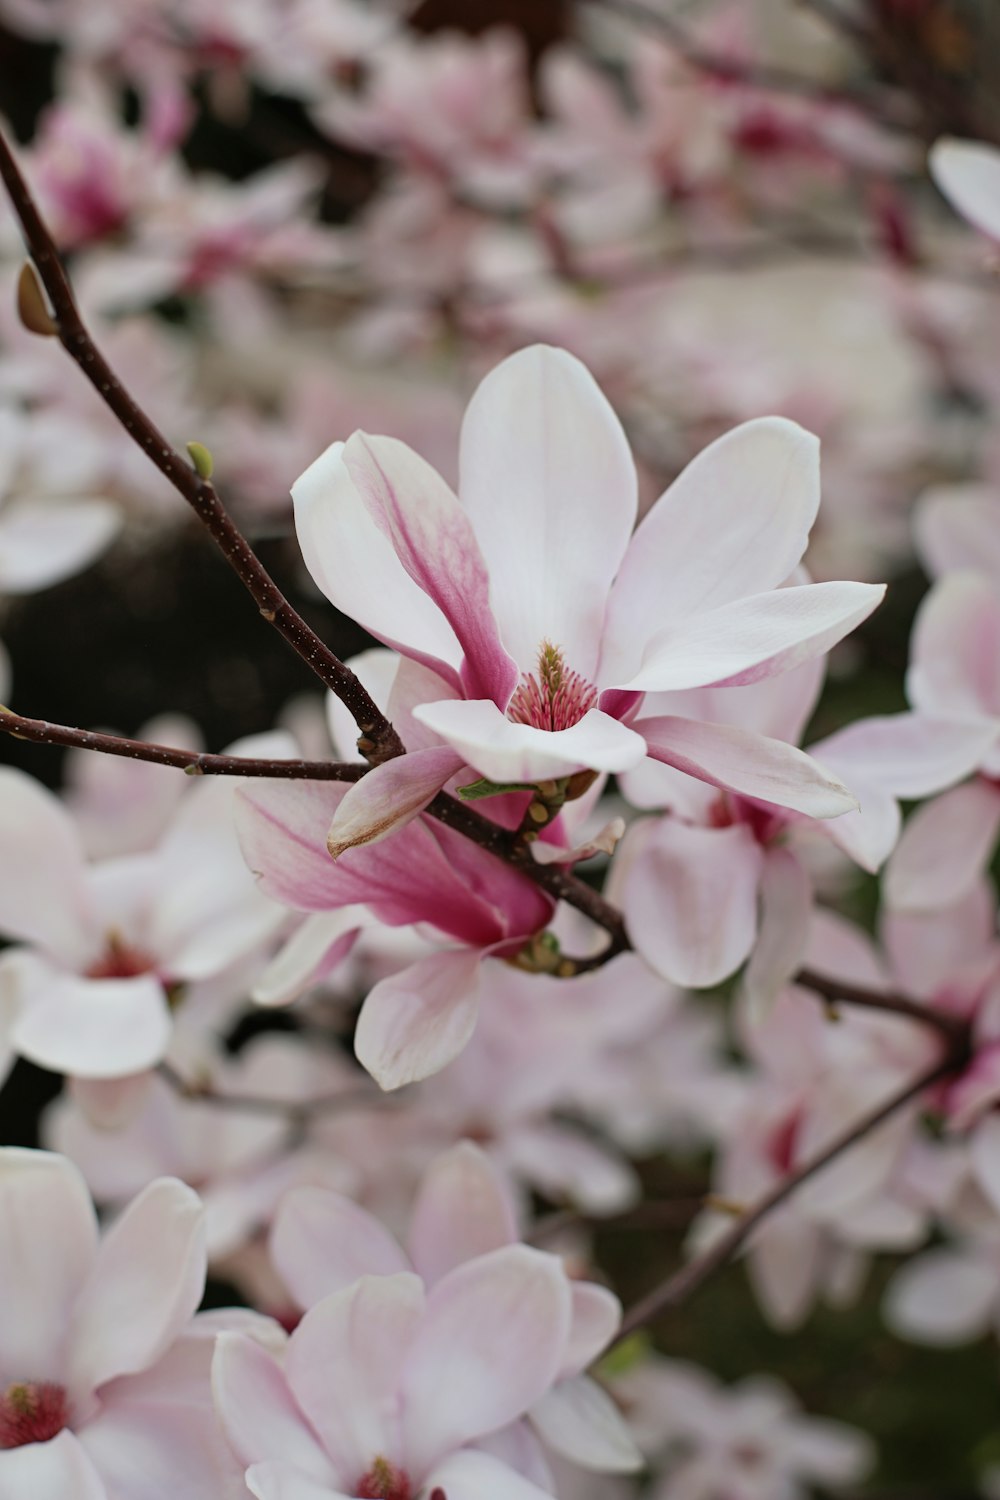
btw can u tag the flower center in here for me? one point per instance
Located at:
(555, 698)
(120, 961)
(384, 1481)
(31, 1413)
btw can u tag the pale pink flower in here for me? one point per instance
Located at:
(386, 1388)
(322, 1243)
(544, 622)
(725, 878)
(106, 942)
(103, 1376)
(948, 842)
(748, 1441)
(241, 1161)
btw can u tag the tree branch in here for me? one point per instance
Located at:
(199, 492)
(837, 992)
(677, 1288)
(193, 762)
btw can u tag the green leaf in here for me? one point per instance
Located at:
(477, 790)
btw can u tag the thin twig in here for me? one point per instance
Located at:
(677, 1288)
(199, 492)
(193, 762)
(837, 992)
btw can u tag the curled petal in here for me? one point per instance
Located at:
(390, 796)
(504, 751)
(414, 1023)
(739, 760)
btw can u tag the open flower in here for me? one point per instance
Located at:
(103, 1375)
(385, 1388)
(544, 620)
(322, 1241)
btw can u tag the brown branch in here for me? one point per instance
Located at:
(837, 992)
(198, 491)
(677, 1288)
(193, 762)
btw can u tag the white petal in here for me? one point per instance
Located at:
(734, 523)
(968, 173)
(945, 846)
(414, 1023)
(504, 751)
(944, 1297)
(579, 1420)
(58, 1470)
(96, 1028)
(322, 1242)
(550, 486)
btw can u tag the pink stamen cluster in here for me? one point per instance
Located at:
(32, 1413)
(556, 698)
(384, 1481)
(120, 961)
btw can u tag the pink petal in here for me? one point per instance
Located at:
(43, 542)
(910, 755)
(473, 1475)
(741, 761)
(43, 892)
(282, 830)
(550, 487)
(462, 1210)
(968, 174)
(691, 901)
(955, 649)
(785, 909)
(48, 1243)
(414, 1023)
(322, 1242)
(945, 846)
(491, 1344)
(278, 1481)
(313, 951)
(433, 539)
(354, 564)
(146, 1284)
(345, 1365)
(735, 523)
(944, 1297)
(596, 1318)
(504, 751)
(752, 638)
(96, 1028)
(258, 1413)
(580, 1421)
(57, 1470)
(955, 528)
(390, 796)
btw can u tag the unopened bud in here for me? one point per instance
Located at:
(201, 458)
(31, 305)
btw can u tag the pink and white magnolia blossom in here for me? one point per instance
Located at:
(748, 1441)
(725, 877)
(387, 1389)
(322, 1242)
(104, 1391)
(543, 621)
(242, 1160)
(106, 943)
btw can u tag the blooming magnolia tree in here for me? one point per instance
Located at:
(462, 1021)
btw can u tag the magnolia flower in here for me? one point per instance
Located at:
(106, 943)
(968, 173)
(322, 1242)
(749, 1441)
(540, 616)
(723, 878)
(386, 1387)
(103, 1376)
